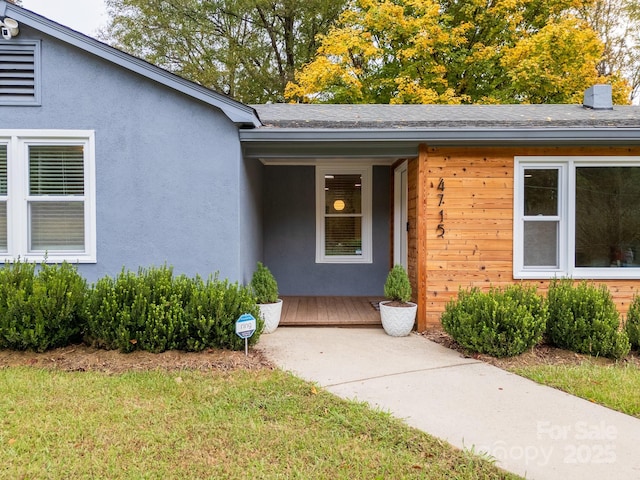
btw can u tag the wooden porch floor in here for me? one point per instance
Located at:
(330, 311)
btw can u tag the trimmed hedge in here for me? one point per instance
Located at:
(501, 323)
(155, 311)
(41, 307)
(632, 325)
(583, 318)
(47, 306)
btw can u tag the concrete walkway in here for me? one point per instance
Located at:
(532, 430)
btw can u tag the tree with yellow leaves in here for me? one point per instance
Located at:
(454, 51)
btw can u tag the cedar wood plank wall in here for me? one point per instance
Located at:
(477, 212)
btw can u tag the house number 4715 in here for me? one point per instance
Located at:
(440, 228)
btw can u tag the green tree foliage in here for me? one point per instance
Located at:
(449, 51)
(246, 49)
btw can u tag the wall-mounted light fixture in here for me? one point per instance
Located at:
(9, 28)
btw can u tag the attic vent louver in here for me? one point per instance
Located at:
(598, 97)
(18, 74)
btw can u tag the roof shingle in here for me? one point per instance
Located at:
(443, 116)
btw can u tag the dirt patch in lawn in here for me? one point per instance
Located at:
(79, 358)
(539, 355)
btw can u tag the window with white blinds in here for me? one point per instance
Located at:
(47, 196)
(343, 223)
(19, 73)
(56, 197)
(56, 170)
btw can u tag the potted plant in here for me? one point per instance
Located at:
(265, 289)
(398, 314)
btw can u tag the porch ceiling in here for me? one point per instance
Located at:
(315, 151)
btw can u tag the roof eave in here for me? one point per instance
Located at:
(274, 142)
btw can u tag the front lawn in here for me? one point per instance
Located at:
(614, 385)
(190, 424)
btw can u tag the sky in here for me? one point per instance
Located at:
(86, 16)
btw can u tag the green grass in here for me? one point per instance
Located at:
(245, 424)
(615, 386)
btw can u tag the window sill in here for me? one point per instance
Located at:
(36, 258)
(604, 273)
(345, 260)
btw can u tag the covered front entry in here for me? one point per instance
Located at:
(332, 225)
(331, 311)
(318, 243)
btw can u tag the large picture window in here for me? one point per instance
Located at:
(577, 216)
(47, 196)
(343, 215)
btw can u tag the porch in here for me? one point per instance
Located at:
(330, 311)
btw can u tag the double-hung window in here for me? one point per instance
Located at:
(577, 217)
(343, 214)
(47, 196)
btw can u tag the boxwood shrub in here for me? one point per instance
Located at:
(583, 318)
(632, 325)
(155, 311)
(501, 322)
(41, 306)
(213, 309)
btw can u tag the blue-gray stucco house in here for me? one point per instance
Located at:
(108, 162)
(159, 172)
(160, 175)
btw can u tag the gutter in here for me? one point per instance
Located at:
(448, 136)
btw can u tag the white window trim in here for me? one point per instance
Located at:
(367, 231)
(566, 212)
(17, 142)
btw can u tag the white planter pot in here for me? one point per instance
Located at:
(398, 321)
(270, 313)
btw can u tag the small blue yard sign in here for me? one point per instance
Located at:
(245, 327)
